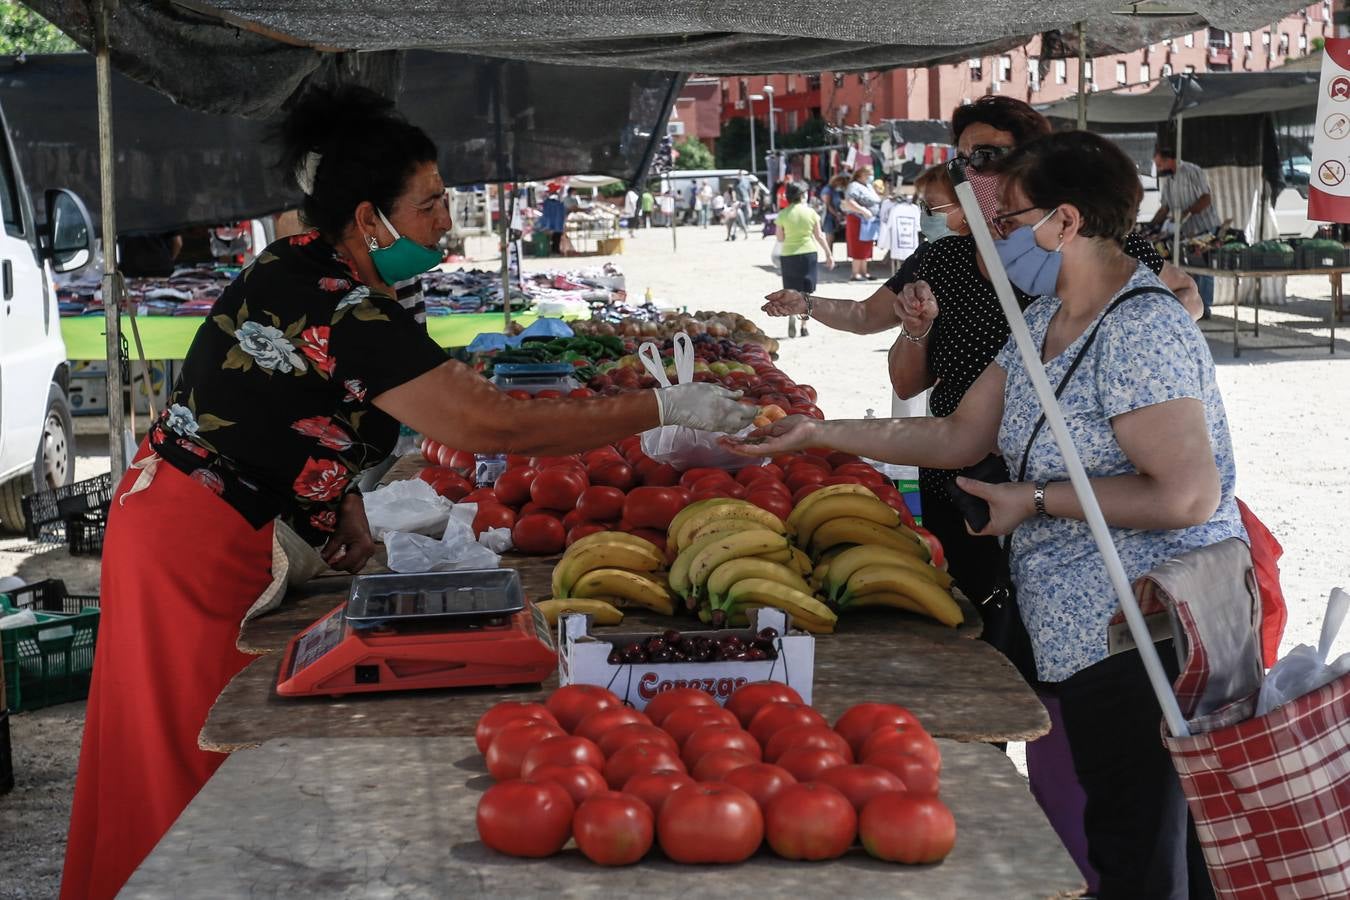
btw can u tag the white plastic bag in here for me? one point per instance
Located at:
(411, 506)
(20, 619)
(457, 549)
(676, 445)
(498, 540)
(1305, 669)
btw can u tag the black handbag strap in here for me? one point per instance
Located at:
(1073, 366)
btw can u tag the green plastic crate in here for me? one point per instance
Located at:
(50, 662)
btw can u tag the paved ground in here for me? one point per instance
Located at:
(1288, 411)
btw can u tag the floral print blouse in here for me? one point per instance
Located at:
(273, 408)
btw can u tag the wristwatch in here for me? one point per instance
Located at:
(1038, 497)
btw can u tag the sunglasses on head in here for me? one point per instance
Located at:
(981, 157)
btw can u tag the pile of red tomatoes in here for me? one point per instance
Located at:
(709, 784)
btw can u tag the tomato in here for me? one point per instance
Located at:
(802, 493)
(693, 476)
(710, 823)
(598, 723)
(509, 746)
(714, 764)
(651, 507)
(863, 471)
(481, 495)
(763, 781)
(811, 822)
(547, 394)
(750, 697)
(651, 536)
(573, 702)
(614, 473)
(666, 702)
(513, 485)
(718, 737)
(860, 720)
(799, 477)
(808, 391)
(750, 474)
(772, 718)
(525, 817)
(584, 529)
(655, 474)
(772, 501)
(428, 449)
(815, 737)
(811, 458)
(934, 545)
(838, 458)
(444, 455)
(903, 739)
(652, 788)
(571, 520)
(861, 783)
(567, 750)
(558, 487)
(431, 474)
(600, 454)
(503, 714)
(518, 394)
(463, 462)
(538, 534)
(892, 497)
(600, 503)
(492, 515)
(616, 739)
(916, 773)
(613, 829)
(580, 393)
(580, 782)
(807, 763)
(683, 722)
(637, 759)
(907, 828)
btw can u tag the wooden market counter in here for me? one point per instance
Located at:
(394, 817)
(1336, 314)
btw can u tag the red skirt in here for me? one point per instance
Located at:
(180, 569)
(857, 248)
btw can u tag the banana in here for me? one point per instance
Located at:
(727, 574)
(801, 562)
(737, 509)
(729, 547)
(825, 493)
(841, 569)
(601, 612)
(821, 572)
(611, 537)
(895, 580)
(869, 508)
(726, 525)
(771, 593)
(740, 613)
(690, 511)
(679, 570)
(897, 601)
(603, 556)
(850, 530)
(629, 586)
(783, 556)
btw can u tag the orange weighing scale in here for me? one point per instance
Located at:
(408, 632)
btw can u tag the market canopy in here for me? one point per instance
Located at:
(177, 167)
(1196, 96)
(250, 56)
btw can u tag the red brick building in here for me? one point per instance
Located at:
(856, 98)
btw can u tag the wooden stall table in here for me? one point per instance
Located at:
(394, 817)
(1336, 314)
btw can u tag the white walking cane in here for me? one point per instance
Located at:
(1054, 416)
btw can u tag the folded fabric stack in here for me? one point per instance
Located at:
(187, 292)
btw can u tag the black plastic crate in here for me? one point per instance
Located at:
(1228, 257)
(1267, 259)
(1321, 258)
(49, 595)
(84, 534)
(48, 508)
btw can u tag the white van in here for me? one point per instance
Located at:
(37, 441)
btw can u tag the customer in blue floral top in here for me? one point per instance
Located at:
(296, 382)
(1145, 414)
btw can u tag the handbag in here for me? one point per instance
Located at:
(869, 229)
(1003, 626)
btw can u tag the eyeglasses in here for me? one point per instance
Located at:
(1001, 221)
(934, 210)
(981, 158)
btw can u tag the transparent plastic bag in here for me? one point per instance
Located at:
(457, 549)
(1305, 669)
(676, 445)
(411, 506)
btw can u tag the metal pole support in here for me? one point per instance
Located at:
(112, 295)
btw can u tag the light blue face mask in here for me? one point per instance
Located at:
(1032, 269)
(934, 226)
(402, 259)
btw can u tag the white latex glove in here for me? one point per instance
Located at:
(707, 407)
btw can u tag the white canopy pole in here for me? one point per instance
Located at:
(1054, 417)
(117, 441)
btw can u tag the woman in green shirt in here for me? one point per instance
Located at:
(799, 234)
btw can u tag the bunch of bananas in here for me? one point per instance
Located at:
(731, 557)
(605, 569)
(864, 556)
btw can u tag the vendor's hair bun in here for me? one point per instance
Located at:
(365, 150)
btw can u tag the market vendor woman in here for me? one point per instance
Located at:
(296, 382)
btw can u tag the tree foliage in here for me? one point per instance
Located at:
(24, 31)
(693, 155)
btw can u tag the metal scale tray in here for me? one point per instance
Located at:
(451, 598)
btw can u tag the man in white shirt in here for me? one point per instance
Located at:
(630, 211)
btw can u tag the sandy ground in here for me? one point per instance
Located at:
(1287, 409)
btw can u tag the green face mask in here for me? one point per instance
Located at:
(402, 259)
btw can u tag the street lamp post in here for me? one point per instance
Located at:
(753, 98)
(768, 169)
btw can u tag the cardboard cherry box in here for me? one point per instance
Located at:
(583, 658)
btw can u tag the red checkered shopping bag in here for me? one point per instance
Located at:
(1271, 798)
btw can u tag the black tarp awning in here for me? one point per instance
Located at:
(177, 168)
(251, 56)
(1197, 96)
